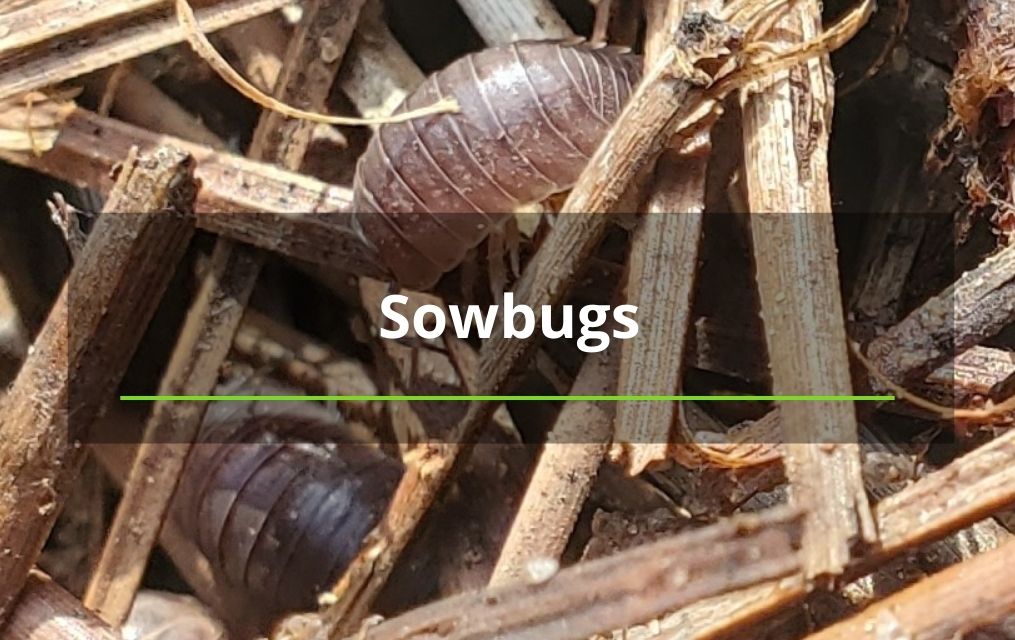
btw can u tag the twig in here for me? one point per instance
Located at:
(247, 201)
(305, 79)
(308, 70)
(786, 127)
(47, 19)
(947, 605)
(626, 588)
(84, 347)
(46, 611)
(116, 459)
(76, 54)
(661, 274)
(258, 46)
(192, 370)
(138, 101)
(978, 305)
(379, 74)
(363, 580)
(601, 23)
(500, 22)
(960, 494)
(563, 476)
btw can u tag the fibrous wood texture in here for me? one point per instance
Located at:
(661, 277)
(78, 53)
(786, 127)
(84, 347)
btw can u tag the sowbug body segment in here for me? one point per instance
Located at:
(279, 503)
(531, 115)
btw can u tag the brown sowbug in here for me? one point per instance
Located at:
(279, 500)
(531, 115)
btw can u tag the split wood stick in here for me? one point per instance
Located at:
(626, 588)
(116, 459)
(563, 475)
(786, 126)
(83, 349)
(956, 496)
(75, 54)
(46, 611)
(46, 19)
(978, 305)
(949, 604)
(500, 22)
(252, 202)
(661, 274)
(192, 370)
(311, 62)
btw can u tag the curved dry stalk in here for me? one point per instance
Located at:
(837, 35)
(204, 48)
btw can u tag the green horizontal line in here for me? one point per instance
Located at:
(466, 398)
